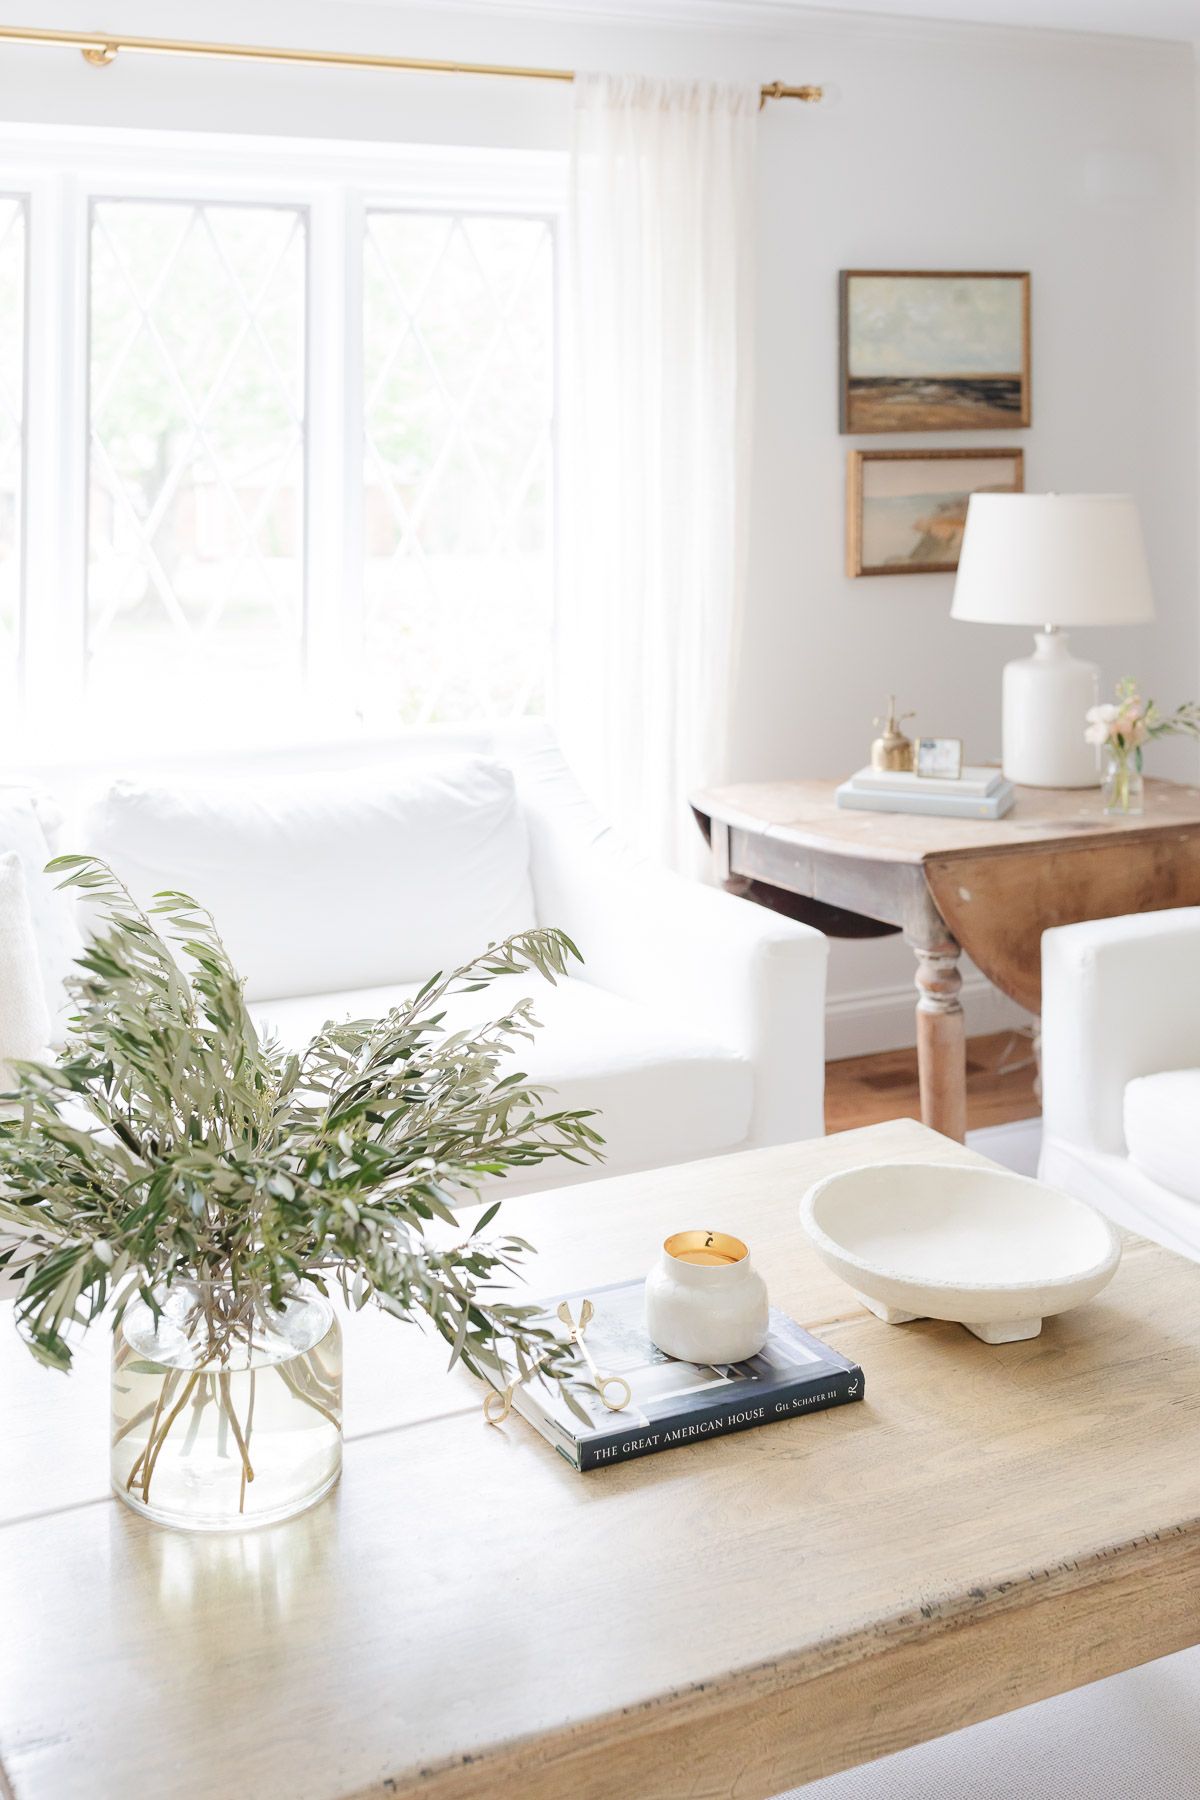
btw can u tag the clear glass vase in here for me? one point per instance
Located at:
(226, 1410)
(1121, 782)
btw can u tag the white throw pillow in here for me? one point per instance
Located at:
(24, 1015)
(1162, 1129)
(328, 881)
(23, 821)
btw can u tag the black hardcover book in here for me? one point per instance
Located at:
(675, 1402)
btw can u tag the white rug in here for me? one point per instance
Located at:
(1016, 1146)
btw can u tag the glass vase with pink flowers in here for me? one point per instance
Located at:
(1121, 728)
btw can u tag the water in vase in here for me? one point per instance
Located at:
(226, 1413)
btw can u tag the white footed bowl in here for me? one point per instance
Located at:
(995, 1252)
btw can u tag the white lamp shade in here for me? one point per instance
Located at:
(1053, 559)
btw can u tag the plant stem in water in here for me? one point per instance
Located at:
(231, 1415)
(308, 1399)
(164, 1433)
(165, 1392)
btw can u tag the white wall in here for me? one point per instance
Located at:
(1066, 156)
(963, 147)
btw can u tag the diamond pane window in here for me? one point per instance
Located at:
(458, 408)
(195, 592)
(12, 436)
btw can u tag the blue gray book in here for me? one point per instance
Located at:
(976, 779)
(675, 1403)
(940, 805)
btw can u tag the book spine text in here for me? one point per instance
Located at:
(838, 1388)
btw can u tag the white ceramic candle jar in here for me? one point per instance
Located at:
(705, 1301)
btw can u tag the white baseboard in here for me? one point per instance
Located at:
(858, 1024)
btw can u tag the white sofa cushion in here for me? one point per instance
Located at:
(24, 1015)
(24, 819)
(664, 1094)
(324, 882)
(1162, 1129)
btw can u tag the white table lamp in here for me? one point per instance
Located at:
(1051, 560)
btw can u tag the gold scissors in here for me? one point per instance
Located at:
(603, 1382)
(497, 1403)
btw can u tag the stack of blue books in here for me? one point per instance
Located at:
(978, 793)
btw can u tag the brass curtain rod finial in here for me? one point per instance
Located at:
(779, 90)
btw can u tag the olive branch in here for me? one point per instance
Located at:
(169, 1141)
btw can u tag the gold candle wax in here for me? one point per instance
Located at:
(711, 1249)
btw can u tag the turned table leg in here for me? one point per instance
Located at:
(941, 1034)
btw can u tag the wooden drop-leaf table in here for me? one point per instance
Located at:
(987, 887)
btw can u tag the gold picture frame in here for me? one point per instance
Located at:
(934, 350)
(909, 520)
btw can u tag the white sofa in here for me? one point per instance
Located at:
(342, 876)
(1121, 1070)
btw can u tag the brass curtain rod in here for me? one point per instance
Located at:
(101, 48)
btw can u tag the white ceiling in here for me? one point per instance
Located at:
(1171, 19)
(1127, 18)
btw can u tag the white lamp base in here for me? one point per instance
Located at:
(1045, 698)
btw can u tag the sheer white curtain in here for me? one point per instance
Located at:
(657, 397)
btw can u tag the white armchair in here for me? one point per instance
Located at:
(695, 1025)
(1121, 1070)
(722, 969)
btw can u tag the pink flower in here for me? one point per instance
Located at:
(1129, 726)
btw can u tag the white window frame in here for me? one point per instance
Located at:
(63, 172)
(21, 195)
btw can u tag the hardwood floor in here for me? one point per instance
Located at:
(864, 1090)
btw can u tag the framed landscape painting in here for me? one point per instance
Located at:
(939, 351)
(906, 509)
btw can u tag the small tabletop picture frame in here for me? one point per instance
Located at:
(939, 759)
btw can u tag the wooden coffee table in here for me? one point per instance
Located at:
(467, 1616)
